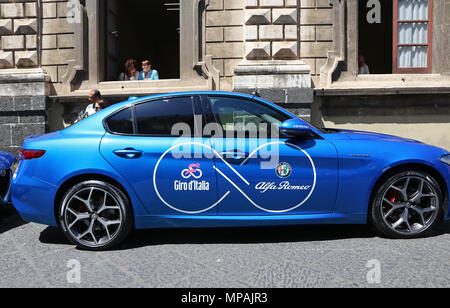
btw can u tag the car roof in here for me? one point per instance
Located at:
(155, 96)
(95, 121)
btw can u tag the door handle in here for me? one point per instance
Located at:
(235, 156)
(129, 153)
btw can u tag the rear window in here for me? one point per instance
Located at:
(158, 117)
(121, 122)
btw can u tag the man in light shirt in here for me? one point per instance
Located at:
(94, 98)
(96, 104)
(147, 72)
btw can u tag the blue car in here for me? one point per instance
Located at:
(6, 162)
(217, 159)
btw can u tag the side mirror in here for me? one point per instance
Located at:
(295, 128)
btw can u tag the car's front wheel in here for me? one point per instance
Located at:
(95, 215)
(5, 186)
(407, 205)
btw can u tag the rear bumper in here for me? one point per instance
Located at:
(33, 200)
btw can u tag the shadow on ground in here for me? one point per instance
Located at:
(142, 238)
(9, 219)
(254, 235)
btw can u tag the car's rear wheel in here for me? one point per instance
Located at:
(95, 215)
(407, 205)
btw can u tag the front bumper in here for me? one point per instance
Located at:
(6, 162)
(447, 209)
(5, 186)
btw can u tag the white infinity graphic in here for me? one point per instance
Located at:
(231, 182)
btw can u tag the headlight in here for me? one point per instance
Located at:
(446, 159)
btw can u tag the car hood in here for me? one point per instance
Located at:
(6, 160)
(362, 135)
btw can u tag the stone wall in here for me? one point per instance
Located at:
(445, 38)
(276, 46)
(57, 40)
(272, 63)
(423, 117)
(225, 37)
(316, 35)
(23, 105)
(18, 34)
(271, 30)
(23, 86)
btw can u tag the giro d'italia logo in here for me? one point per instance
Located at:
(193, 170)
(283, 170)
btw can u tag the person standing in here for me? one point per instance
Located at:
(96, 104)
(363, 68)
(147, 72)
(95, 99)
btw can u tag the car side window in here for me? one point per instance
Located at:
(158, 117)
(121, 122)
(241, 116)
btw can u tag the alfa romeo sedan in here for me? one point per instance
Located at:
(215, 159)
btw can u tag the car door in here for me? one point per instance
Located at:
(171, 174)
(263, 174)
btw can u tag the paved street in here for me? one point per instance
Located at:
(33, 255)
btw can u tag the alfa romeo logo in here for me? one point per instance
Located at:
(283, 170)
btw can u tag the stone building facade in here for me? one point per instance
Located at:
(301, 54)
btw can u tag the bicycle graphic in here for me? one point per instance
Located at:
(194, 171)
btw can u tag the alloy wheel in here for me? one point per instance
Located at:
(93, 216)
(410, 205)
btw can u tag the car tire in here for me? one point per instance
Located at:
(95, 215)
(406, 205)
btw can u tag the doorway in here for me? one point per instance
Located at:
(141, 30)
(375, 39)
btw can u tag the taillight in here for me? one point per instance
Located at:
(31, 154)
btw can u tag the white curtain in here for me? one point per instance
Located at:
(412, 10)
(413, 57)
(412, 33)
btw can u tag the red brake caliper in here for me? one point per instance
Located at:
(392, 197)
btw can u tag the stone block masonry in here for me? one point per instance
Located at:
(23, 86)
(272, 64)
(18, 34)
(225, 37)
(23, 105)
(316, 29)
